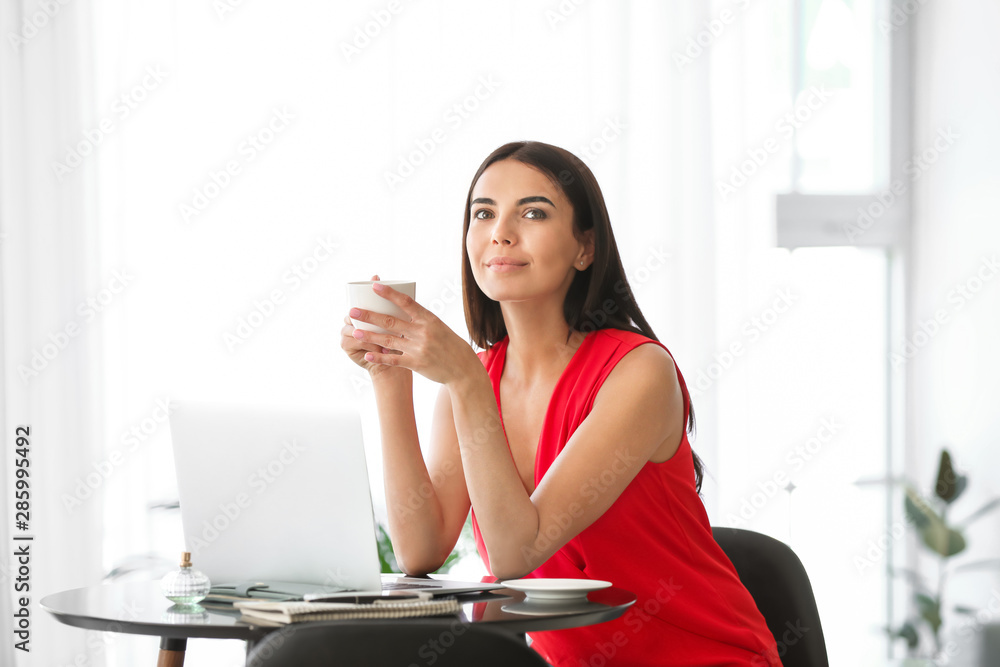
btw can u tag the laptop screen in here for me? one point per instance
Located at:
(275, 494)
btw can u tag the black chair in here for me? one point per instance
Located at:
(780, 586)
(443, 642)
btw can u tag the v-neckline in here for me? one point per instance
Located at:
(502, 361)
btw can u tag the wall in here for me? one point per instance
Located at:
(953, 385)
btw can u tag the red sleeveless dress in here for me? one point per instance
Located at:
(655, 541)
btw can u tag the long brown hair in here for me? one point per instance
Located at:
(586, 307)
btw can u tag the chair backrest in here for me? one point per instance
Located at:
(443, 642)
(780, 586)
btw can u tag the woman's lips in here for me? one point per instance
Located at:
(505, 268)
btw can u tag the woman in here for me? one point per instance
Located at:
(566, 435)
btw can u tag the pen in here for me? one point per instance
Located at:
(365, 598)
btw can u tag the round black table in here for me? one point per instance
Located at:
(140, 608)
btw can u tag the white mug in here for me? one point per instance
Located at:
(361, 295)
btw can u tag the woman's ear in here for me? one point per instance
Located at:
(588, 248)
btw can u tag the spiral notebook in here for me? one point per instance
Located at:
(281, 613)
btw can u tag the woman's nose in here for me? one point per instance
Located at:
(503, 233)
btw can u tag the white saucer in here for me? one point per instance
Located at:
(555, 589)
(550, 607)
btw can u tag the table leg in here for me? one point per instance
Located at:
(171, 652)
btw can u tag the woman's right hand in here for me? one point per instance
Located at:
(356, 349)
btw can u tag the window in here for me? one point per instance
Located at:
(803, 410)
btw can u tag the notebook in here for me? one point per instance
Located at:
(279, 499)
(280, 613)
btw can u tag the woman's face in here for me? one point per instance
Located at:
(520, 215)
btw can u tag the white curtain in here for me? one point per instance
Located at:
(369, 125)
(52, 348)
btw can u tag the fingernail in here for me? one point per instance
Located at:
(355, 312)
(358, 333)
(378, 287)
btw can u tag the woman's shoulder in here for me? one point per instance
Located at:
(625, 342)
(633, 345)
(623, 336)
(629, 355)
(639, 368)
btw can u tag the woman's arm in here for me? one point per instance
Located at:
(637, 410)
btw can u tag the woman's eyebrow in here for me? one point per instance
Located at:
(520, 202)
(529, 200)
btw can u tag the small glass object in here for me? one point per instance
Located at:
(186, 586)
(185, 614)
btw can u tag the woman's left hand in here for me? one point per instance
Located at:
(425, 344)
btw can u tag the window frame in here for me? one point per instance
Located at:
(824, 220)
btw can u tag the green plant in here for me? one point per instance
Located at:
(387, 557)
(944, 540)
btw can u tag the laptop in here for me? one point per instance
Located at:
(280, 498)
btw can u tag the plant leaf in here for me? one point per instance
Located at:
(932, 528)
(917, 509)
(908, 632)
(943, 539)
(961, 482)
(930, 611)
(962, 609)
(949, 485)
(386, 556)
(985, 509)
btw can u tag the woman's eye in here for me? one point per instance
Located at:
(482, 214)
(534, 214)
